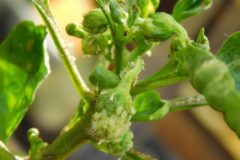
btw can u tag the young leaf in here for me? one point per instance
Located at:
(149, 107)
(23, 65)
(187, 8)
(230, 54)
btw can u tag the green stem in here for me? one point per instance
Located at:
(143, 86)
(166, 76)
(141, 49)
(106, 11)
(118, 57)
(119, 46)
(4, 153)
(136, 155)
(186, 103)
(43, 8)
(130, 74)
(68, 141)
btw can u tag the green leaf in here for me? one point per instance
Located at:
(23, 65)
(149, 107)
(230, 54)
(187, 8)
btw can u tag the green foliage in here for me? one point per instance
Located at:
(187, 8)
(23, 65)
(120, 32)
(149, 107)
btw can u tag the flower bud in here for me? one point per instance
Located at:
(161, 26)
(102, 78)
(95, 22)
(75, 30)
(95, 44)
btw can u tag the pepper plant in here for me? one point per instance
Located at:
(116, 98)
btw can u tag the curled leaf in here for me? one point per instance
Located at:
(187, 8)
(149, 107)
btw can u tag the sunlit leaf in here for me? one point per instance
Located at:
(23, 65)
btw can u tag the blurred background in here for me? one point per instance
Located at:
(199, 134)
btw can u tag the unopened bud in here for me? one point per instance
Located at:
(161, 26)
(95, 22)
(75, 30)
(95, 44)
